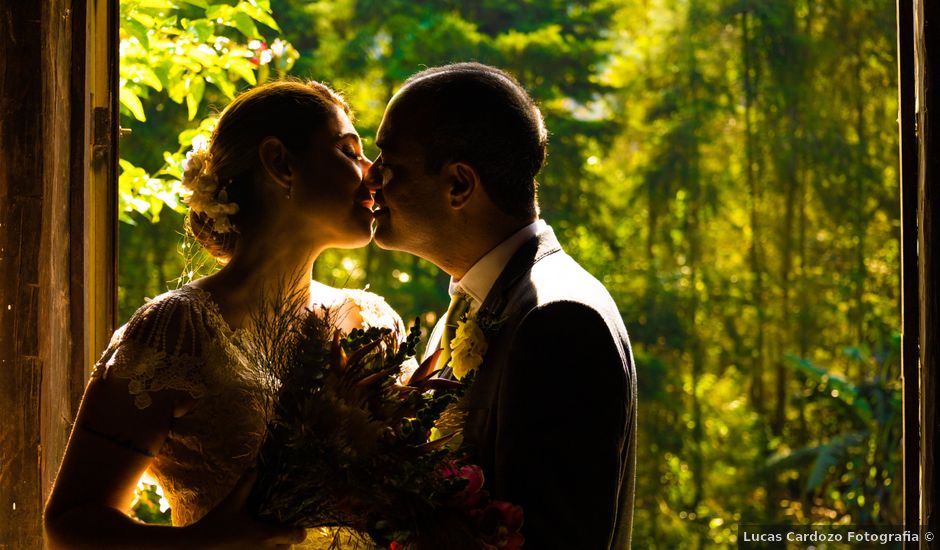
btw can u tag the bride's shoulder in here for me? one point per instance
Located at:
(184, 313)
(357, 308)
(164, 345)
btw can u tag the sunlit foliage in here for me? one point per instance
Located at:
(728, 169)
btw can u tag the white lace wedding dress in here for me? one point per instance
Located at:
(180, 341)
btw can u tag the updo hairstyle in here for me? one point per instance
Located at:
(289, 110)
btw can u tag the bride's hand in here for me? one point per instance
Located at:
(229, 526)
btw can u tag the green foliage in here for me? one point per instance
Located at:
(728, 169)
(149, 506)
(180, 60)
(856, 466)
(179, 51)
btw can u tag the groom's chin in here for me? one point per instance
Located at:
(381, 235)
(386, 240)
(382, 242)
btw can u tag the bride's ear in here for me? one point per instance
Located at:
(464, 182)
(276, 161)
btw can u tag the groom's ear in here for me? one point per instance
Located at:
(275, 158)
(464, 182)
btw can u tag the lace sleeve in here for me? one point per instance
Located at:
(163, 346)
(376, 312)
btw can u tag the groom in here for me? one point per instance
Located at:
(552, 412)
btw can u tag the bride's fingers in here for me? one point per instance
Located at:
(300, 535)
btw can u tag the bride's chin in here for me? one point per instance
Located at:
(361, 238)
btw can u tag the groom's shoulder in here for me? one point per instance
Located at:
(556, 294)
(559, 278)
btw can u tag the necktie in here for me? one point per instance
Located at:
(459, 305)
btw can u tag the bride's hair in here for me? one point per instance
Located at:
(289, 110)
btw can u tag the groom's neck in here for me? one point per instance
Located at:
(477, 241)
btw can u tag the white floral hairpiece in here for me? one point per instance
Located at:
(205, 197)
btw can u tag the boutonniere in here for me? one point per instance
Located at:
(469, 344)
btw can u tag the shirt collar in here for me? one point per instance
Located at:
(480, 278)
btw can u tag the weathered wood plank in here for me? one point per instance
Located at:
(21, 202)
(926, 52)
(910, 281)
(56, 408)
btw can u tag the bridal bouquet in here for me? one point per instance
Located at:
(347, 445)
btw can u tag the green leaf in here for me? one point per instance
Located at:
(204, 55)
(258, 14)
(219, 79)
(836, 386)
(177, 90)
(149, 77)
(822, 456)
(243, 68)
(157, 4)
(200, 3)
(246, 25)
(142, 19)
(792, 460)
(831, 454)
(220, 11)
(156, 205)
(138, 30)
(202, 28)
(130, 100)
(196, 89)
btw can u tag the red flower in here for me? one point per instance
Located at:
(500, 522)
(472, 494)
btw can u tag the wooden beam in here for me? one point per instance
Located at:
(910, 309)
(926, 52)
(101, 194)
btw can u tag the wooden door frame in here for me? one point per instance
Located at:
(920, 263)
(58, 213)
(58, 245)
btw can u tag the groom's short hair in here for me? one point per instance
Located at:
(481, 115)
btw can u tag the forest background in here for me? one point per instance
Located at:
(727, 168)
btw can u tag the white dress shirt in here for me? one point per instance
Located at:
(480, 278)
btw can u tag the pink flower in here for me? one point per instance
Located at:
(471, 495)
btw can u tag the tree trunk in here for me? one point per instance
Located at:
(754, 253)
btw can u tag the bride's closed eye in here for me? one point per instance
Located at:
(351, 153)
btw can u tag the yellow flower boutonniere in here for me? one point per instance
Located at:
(468, 347)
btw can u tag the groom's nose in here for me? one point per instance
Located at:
(373, 176)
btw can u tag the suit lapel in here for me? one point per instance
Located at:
(483, 394)
(543, 244)
(536, 248)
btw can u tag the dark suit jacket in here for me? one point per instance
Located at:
(552, 413)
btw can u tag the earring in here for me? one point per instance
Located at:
(287, 195)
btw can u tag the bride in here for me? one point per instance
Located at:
(280, 181)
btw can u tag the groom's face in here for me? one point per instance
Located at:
(411, 203)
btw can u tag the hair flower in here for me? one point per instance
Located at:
(205, 197)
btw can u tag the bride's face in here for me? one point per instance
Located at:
(329, 192)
